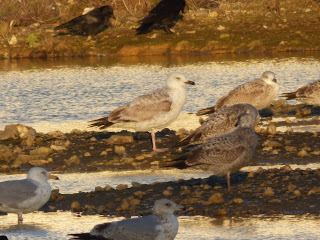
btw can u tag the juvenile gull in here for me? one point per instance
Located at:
(224, 154)
(221, 122)
(308, 94)
(27, 195)
(259, 93)
(161, 225)
(153, 110)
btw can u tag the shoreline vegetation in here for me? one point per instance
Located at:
(209, 27)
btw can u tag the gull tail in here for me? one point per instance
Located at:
(85, 236)
(206, 111)
(101, 123)
(179, 163)
(289, 96)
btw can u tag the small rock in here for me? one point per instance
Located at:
(268, 192)
(93, 139)
(189, 201)
(121, 187)
(222, 212)
(134, 202)
(104, 153)
(118, 139)
(87, 154)
(57, 147)
(54, 194)
(291, 187)
(44, 151)
(74, 160)
(99, 189)
(216, 198)
(297, 193)
(38, 163)
(286, 168)
(272, 129)
(76, 207)
(5, 153)
(276, 201)
(139, 194)
(124, 206)
(166, 193)
(119, 149)
(302, 153)
(221, 28)
(238, 200)
(136, 184)
(314, 191)
(108, 188)
(290, 149)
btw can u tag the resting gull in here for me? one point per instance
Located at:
(259, 93)
(221, 122)
(309, 94)
(27, 195)
(153, 110)
(162, 224)
(224, 154)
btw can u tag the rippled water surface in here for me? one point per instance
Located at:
(58, 94)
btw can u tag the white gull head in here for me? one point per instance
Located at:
(269, 77)
(38, 174)
(165, 206)
(177, 80)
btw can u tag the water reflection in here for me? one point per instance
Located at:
(41, 225)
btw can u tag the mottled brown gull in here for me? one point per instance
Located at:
(221, 122)
(260, 93)
(153, 110)
(224, 154)
(308, 94)
(26, 195)
(161, 225)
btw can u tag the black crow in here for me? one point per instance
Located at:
(89, 24)
(163, 16)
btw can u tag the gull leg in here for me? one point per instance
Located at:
(154, 147)
(228, 181)
(20, 218)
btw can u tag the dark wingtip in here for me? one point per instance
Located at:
(206, 111)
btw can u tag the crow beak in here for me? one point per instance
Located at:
(53, 177)
(190, 83)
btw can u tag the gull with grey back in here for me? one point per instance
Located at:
(151, 111)
(225, 154)
(26, 195)
(162, 224)
(260, 93)
(221, 122)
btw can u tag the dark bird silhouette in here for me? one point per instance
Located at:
(163, 16)
(89, 24)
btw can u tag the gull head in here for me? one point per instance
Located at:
(269, 77)
(177, 80)
(165, 206)
(40, 175)
(246, 120)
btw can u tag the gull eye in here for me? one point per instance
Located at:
(178, 78)
(168, 204)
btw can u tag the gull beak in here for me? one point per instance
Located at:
(53, 177)
(274, 80)
(180, 207)
(190, 83)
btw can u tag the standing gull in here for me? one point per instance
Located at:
(153, 110)
(309, 94)
(259, 93)
(27, 195)
(162, 224)
(224, 154)
(221, 122)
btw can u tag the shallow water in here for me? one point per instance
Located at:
(65, 94)
(41, 225)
